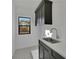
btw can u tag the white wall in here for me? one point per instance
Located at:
(27, 8)
(13, 27)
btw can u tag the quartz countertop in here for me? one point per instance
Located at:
(59, 47)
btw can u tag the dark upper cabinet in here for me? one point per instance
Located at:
(43, 14)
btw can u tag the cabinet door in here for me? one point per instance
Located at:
(42, 15)
(46, 54)
(48, 13)
(36, 17)
(41, 52)
(57, 56)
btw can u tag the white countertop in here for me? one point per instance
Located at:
(59, 47)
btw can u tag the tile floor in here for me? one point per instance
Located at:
(24, 53)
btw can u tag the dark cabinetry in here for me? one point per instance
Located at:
(46, 53)
(43, 13)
